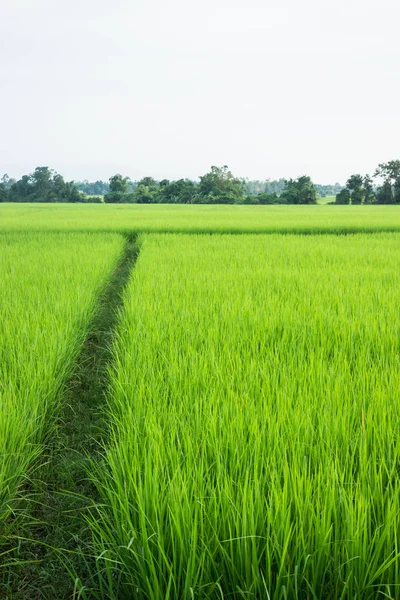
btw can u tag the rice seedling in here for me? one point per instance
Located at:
(254, 405)
(49, 286)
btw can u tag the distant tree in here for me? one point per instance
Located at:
(96, 188)
(183, 191)
(369, 194)
(220, 186)
(299, 191)
(42, 184)
(7, 181)
(343, 197)
(355, 185)
(120, 198)
(384, 195)
(22, 190)
(390, 172)
(251, 199)
(149, 182)
(145, 194)
(396, 191)
(264, 198)
(275, 187)
(328, 190)
(119, 184)
(3, 193)
(147, 191)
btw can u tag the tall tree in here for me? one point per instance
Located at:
(299, 191)
(355, 185)
(384, 194)
(390, 172)
(369, 195)
(119, 184)
(220, 186)
(343, 197)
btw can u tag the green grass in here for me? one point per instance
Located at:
(199, 219)
(326, 199)
(49, 287)
(255, 422)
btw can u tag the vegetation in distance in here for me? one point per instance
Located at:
(252, 187)
(254, 449)
(49, 287)
(217, 187)
(361, 190)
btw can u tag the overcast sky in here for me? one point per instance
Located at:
(272, 88)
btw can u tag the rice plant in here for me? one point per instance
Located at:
(165, 218)
(49, 287)
(254, 405)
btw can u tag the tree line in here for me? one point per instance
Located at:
(43, 185)
(361, 189)
(218, 186)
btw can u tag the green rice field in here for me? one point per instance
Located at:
(249, 443)
(163, 218)
(49, 286)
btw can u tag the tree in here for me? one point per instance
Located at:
(343, 197)
(22, 190)
(355, 186)
(369, 195)
(119, 184)
(220, 186)
(396, 191)
(41, 182)
(120, 198)
(145, 195)
(264, 198)
(147, 191)
(390, 172)
(384, 194)
(183, 191)
(149, 182)
(299, 191)
(3, 193)
(97, 188)
(251, 199)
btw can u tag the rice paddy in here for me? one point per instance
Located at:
(255, 414)
(251, 447)
(49, 286)
(167, 218)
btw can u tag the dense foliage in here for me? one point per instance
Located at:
(218, 186)
(43, 185)
(361, 190)
(95, 188)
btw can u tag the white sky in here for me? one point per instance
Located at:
(167, 88)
